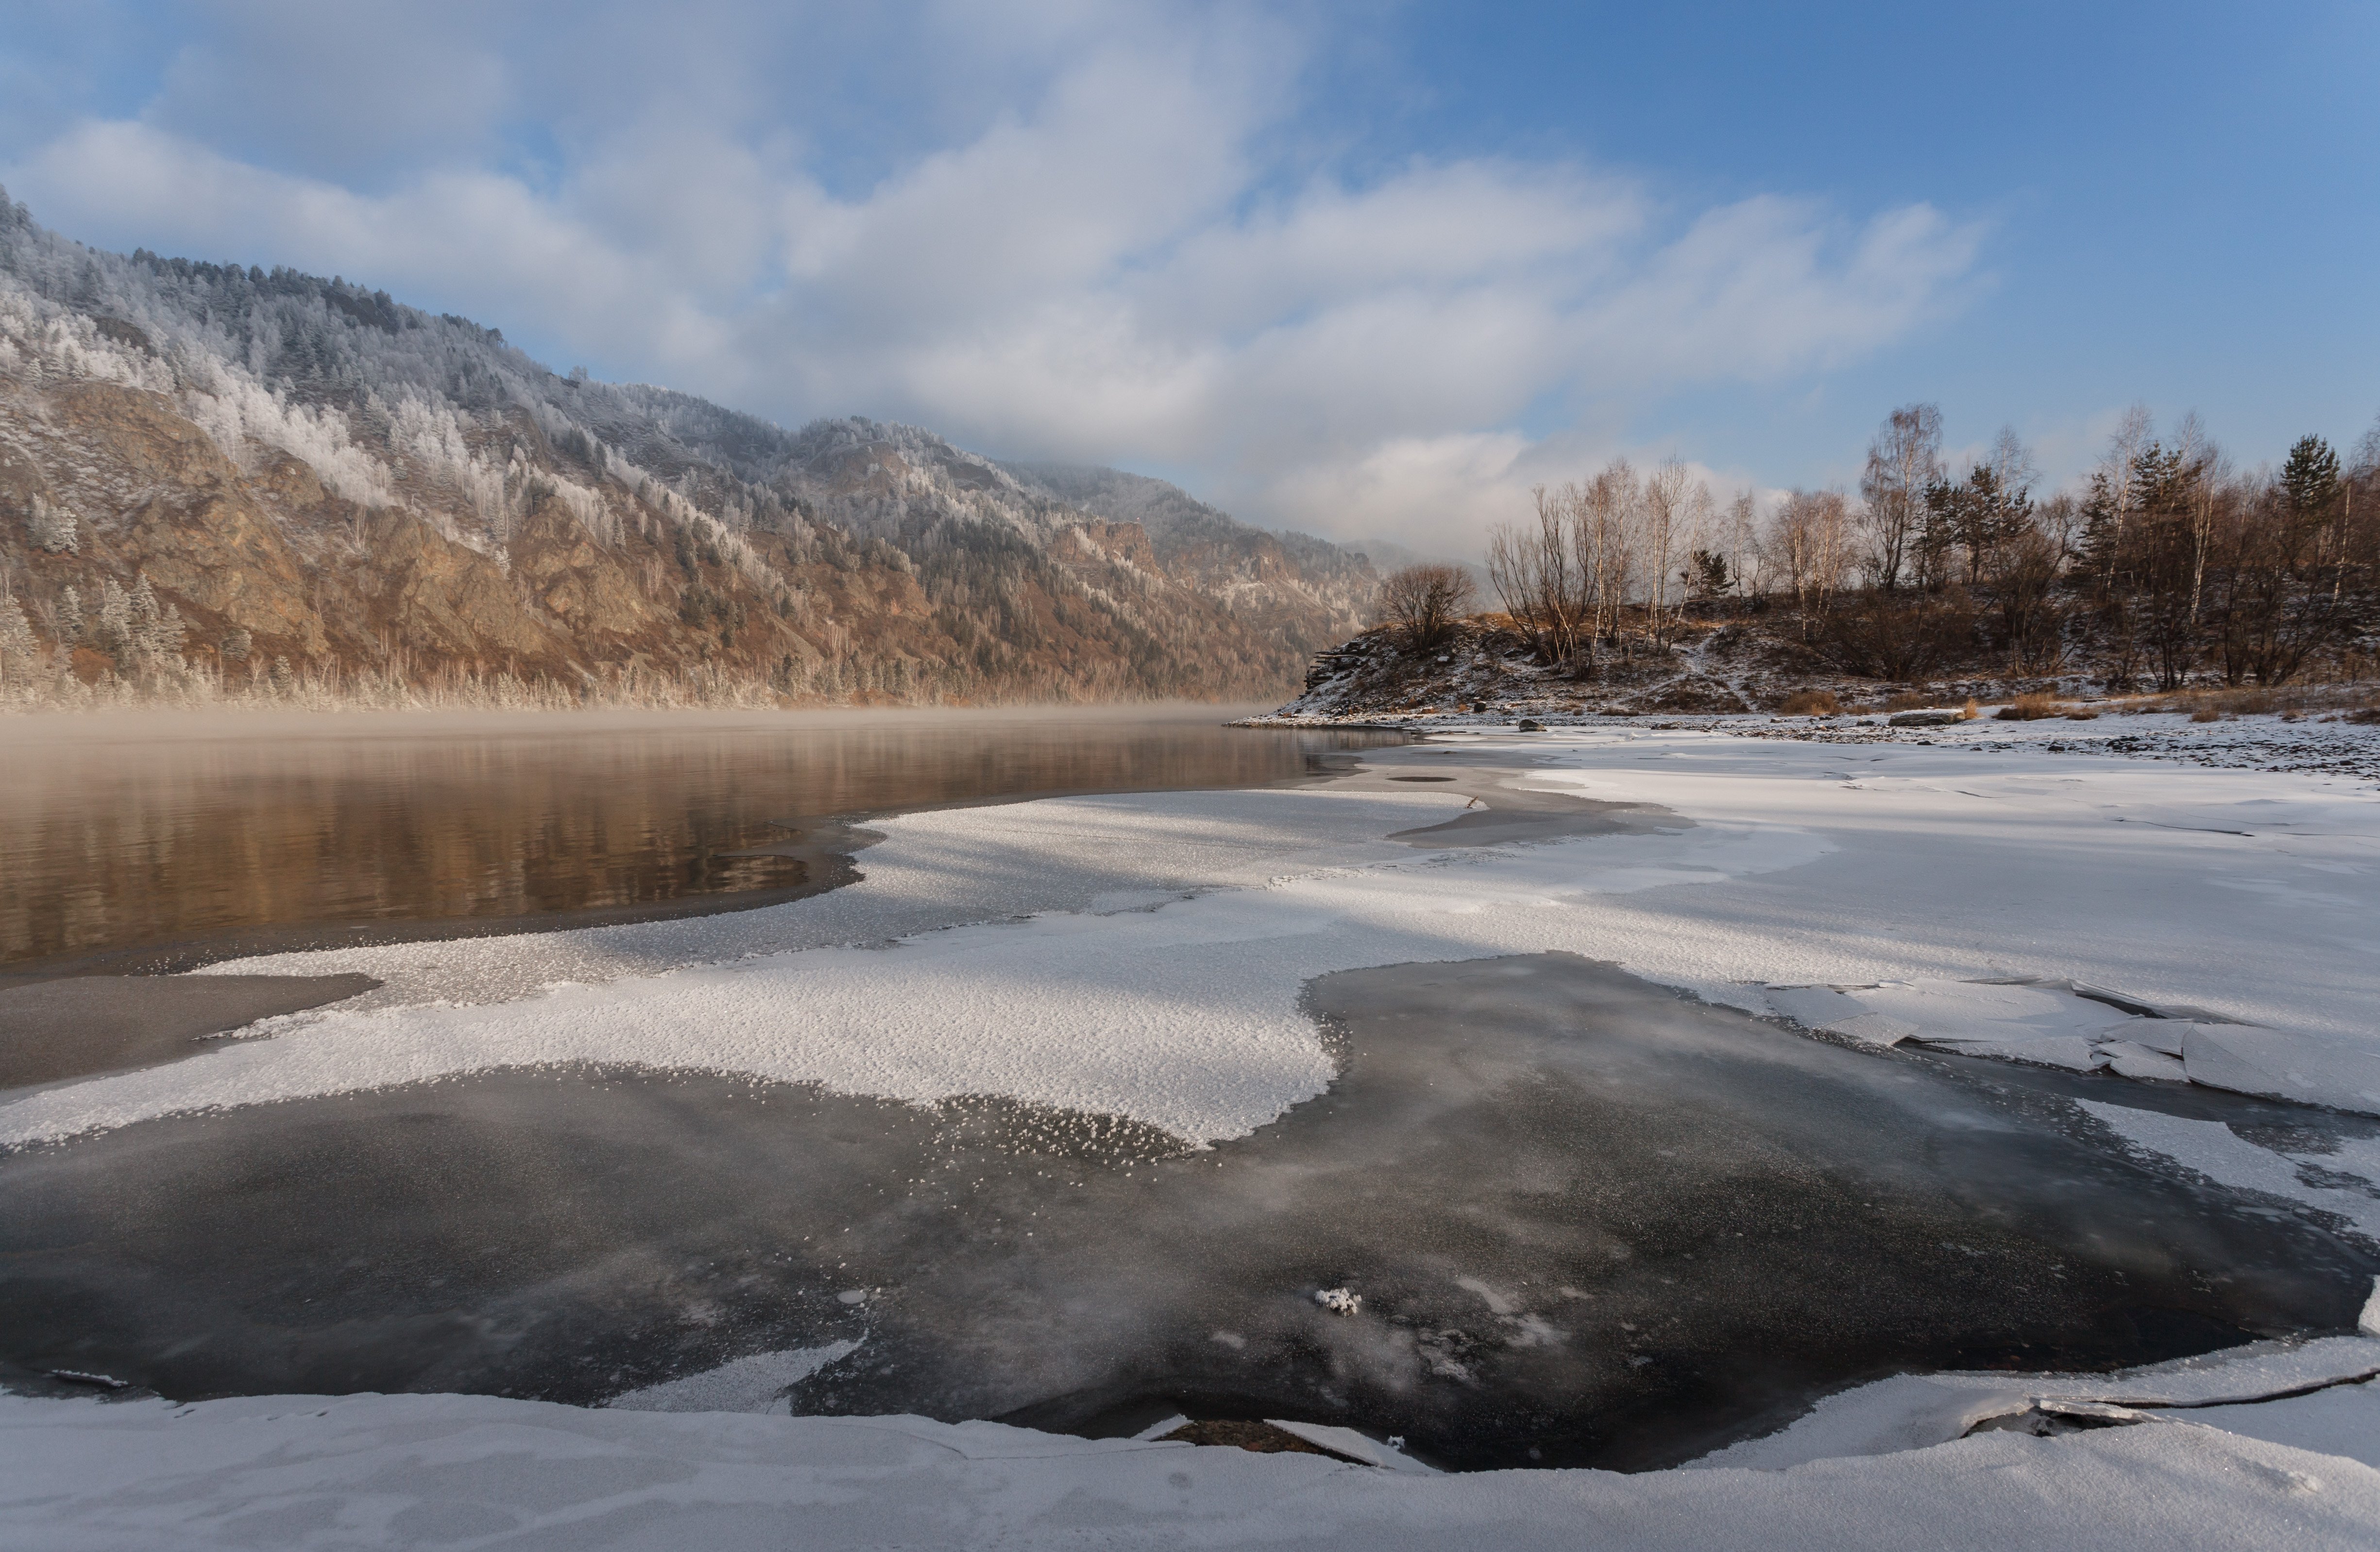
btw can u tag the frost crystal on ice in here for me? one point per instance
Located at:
(1340, 1301)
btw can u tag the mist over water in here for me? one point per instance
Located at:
(192, 837)
(1590, 1223)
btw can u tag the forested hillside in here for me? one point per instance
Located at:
(218, 481)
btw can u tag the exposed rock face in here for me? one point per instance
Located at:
(319, 486)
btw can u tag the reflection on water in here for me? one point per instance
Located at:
(117, 835)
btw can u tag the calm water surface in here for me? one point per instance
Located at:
(213, 835)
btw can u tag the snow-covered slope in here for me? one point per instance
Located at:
(332, 492)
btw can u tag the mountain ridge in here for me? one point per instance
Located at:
(217, 481)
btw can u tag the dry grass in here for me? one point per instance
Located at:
(2288, 701)
(2030, 708)
(1811, 703)
(1970, 712)
(1907, 700)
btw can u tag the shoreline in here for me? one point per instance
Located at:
(143, 725)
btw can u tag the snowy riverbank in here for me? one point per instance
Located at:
(2172, 924)
(2180, 1462)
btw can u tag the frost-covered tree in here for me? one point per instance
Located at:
(70, 621)
(19, 652)
(53, 528)
(110, 630)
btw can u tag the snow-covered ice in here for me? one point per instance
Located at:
(756, 1383)
(1156, 973)
(403, 1471)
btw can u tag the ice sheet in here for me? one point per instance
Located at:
(934, 869)
(1805, 865)
(1184, 1017)
(2215, 1151)
(1917, 1411)
(754, 1384)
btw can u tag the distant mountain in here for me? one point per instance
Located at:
(1388, 555)
(1286, 582)
(219, 480)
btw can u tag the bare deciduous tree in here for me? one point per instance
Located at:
(1424, 601)
(1743, 544)
(1903, 461)
(2113, 488)
(1810, 543)
(1669, 521)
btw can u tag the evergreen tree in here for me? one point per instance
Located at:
(18, 650)
(2310, 479)
(111, 632)
(52, 530)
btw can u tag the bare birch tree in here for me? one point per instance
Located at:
(1903, 462)
(1743, 544)
(1606, 528)
(1668, 517)
(2115, 484)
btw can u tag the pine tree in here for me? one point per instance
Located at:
(70, 622)
(52, 530)
(140, 630)
(112, 631)
(2310, 479)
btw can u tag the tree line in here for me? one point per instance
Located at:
(2167, 563)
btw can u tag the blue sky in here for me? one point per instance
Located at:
(1367, 270)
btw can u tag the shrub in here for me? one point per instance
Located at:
(1897, 636)
(2207, 714)
(1424, 601)
(1811, 703)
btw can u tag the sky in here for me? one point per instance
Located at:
(1370, 271)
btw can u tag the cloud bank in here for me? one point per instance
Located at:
(1114, 236)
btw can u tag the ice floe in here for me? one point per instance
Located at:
(1918, 1411)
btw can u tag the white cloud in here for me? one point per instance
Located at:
(1104, 257)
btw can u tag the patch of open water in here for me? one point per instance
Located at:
(141, 844)
(1589, 1222)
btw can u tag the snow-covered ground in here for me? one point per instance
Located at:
(2173, 921)
(1949, 1462)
